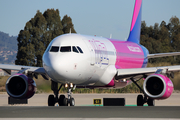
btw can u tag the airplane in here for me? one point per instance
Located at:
(82, 61)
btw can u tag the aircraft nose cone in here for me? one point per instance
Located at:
(52, 65)
(58, 68)
(62, 68)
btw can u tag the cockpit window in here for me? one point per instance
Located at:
(65, 49)
(75, 50)
(79, 49)
(54, 49)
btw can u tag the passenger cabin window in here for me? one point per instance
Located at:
(54, 49)
(75, 50)
(65, 49)
(79, 49)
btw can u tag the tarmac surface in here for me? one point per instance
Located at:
(90, 112)
(87, 99)
(84, 109)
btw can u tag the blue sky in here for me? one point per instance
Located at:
(91, 17)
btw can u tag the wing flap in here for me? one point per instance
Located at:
(7, 71)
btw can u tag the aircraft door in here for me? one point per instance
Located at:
(89, 44)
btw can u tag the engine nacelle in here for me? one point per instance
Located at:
(158, 86)
(20, 86)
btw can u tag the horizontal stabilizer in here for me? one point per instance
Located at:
(163, 54)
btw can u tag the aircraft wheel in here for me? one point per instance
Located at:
(151, 102)
(72, 102)
(140, 100)
(65, 102)
(51, 100)
(61, 100)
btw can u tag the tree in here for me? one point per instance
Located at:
(157, 40)
(37, 34)
(174, 28)
(25, 54)
(174, 25)
(67, 25)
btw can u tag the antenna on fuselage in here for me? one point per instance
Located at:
(110, 36)
(70, 31)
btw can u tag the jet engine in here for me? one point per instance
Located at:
(19, 86)
(158, 86)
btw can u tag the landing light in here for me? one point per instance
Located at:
(71, 85)
(124, 80)
(66, 85)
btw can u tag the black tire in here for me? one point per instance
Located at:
(61, 100)
(140, 100)
(65, 102)
(151, 102)
(72, 102)
(51, 100)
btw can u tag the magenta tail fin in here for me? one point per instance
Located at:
(134, 35)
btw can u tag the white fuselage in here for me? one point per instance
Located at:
(94, 65)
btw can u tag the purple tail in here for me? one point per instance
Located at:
(134, 35)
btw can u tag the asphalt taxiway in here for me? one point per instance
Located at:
(37, 108)
(90, 112)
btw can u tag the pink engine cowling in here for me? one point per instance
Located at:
(20, 86)
(158, 86)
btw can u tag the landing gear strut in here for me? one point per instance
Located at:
(62, 100)
(140, 99)
(70, 99)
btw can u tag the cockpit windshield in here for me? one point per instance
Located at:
(54, 49)
(65, 49)
(75, 49)
(79, 49)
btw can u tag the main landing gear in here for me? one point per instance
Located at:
(143, 99)
(62, 100)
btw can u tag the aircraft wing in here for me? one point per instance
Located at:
(7, 68)
(140, 72)
(163, 54)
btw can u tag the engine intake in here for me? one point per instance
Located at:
(158, 86)
(20, 86)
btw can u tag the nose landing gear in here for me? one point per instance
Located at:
(62, 100)
(70, 99)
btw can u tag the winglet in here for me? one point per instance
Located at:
(135, 30)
